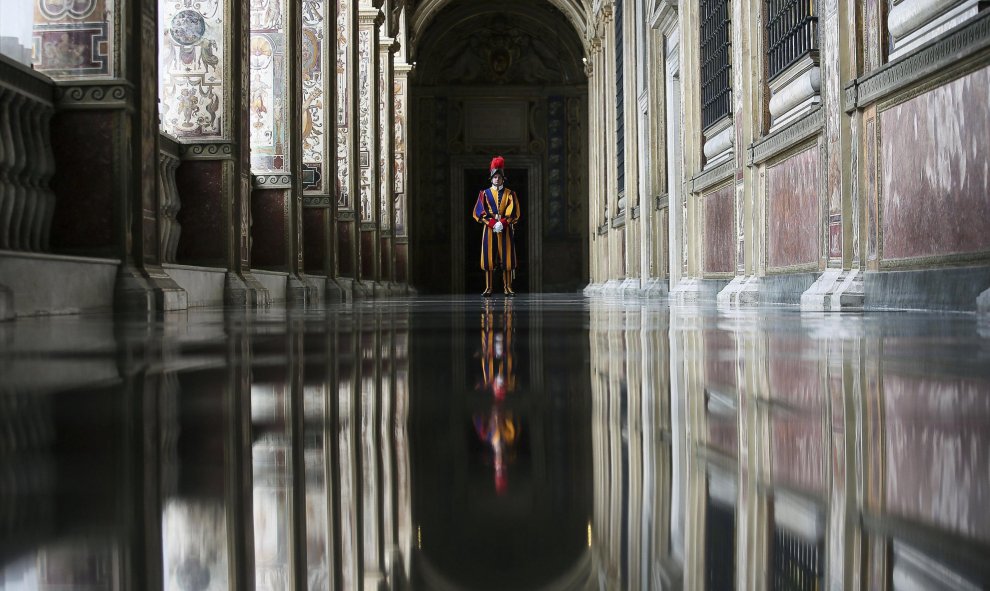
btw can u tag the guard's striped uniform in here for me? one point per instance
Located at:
(498, 250)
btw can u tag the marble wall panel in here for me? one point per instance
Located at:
(200, 183)
(935, 179)
(345, 252)
(793, 188)
(83, 149)
(401, 261)
(269, 211)
(316, 226)
(937, 451)
(75, 38)
(719, 237)
(367, 253)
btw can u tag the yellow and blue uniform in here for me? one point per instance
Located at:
(498, 250)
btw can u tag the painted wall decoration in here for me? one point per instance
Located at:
(191, 68)
(74, 38)
(268, 117)
(364, 124)
(556, 201)
(314, 65)
(383, 131)
(399, 156)
(343, 35)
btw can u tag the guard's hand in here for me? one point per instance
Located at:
(498, 227)
(491, 223)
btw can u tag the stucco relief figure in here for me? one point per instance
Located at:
(498, 210)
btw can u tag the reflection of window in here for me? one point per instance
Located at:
(792, 32)
(716, 71)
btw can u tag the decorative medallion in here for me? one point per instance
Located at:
(188, 27)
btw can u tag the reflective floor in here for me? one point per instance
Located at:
(551, 442)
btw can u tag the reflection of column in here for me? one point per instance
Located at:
(194, 540)
(239, 483)
(400, 421)
(369, 391)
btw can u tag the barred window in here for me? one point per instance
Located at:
(620, 110)
(792, 33)
(716, 71)
(797, 563)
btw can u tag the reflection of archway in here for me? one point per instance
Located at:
(499, 79)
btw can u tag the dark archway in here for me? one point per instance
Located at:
(507, 79)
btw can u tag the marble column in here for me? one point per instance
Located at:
(368, 202)
(386, 113)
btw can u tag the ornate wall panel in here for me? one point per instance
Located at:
(719, 236)
(75, 38)
(793, 189)
(343, 129)
(192, 68)
(934, 182)
(314, 67)
(364, 124)
(267, 113)
(399, 154)
(556, 200)
(384, 129)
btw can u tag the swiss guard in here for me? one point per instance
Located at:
(498, 211)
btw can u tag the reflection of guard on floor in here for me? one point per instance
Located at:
(498, 428)
(498, 211)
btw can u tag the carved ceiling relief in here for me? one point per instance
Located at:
(500, 50)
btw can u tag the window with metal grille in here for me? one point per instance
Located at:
(792, 33)
(797, 563)
(620, 128)
(716, 71)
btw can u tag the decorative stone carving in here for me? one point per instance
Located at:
(94, 95)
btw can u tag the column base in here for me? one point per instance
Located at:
(593, 289)
(334, 293)
(982, 304)
(132, 293)
(692, 290)
(6, 303)
(631, 288)
(742, 291)
(655, 289)
(835, 290)
(243, 290)
(300, 292)
(380, 290)
(362, 290)
(169, 295)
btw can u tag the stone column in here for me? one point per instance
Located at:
(368, 203)
(386, 113)
(347, 259)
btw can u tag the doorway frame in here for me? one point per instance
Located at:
(532, 214)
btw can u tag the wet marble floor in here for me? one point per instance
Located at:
(551, 442)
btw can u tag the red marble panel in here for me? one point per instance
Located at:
(720, 244)
(797, 453)
(202, 216)
(937, 451)
(367, 254)
(793, 372)
(345, 249)
(793, 217)
(315, 230)
(82, 143)
(935, 184)
(269, 224)
(385, 254)
(401, 260)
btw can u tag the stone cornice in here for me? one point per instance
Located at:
(712, 176)
(370, 16)
(317, 201)
(271, 181)
(208, 151)
(787, 137)
(937, 56)
(26, 81)
(94, 94)
(661, 12)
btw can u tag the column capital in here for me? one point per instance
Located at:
(370, 16)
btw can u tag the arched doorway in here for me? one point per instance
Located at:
(506, 79)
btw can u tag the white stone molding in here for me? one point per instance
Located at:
(912, 23)
(795, 92)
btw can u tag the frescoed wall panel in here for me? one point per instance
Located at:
(364, 123)
(268, 117)
(74, 38)
(314, 66)
(399, 156)
(192, 68)
(343, 129)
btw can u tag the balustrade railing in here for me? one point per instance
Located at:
(27, 163)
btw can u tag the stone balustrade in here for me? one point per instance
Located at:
(27, 163)
(168, 163)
